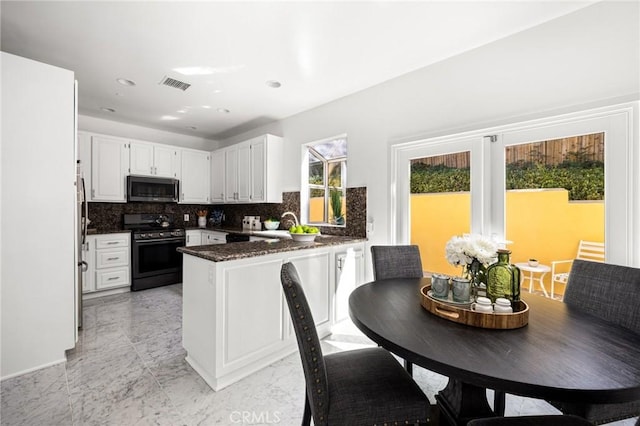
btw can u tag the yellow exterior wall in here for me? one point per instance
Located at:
(316, 209)
(542, 224)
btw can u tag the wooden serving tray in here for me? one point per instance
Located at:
(464, 315)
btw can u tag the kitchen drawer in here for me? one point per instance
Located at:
(213, 237)
(117, 277)
(111, 258)
(107, 242)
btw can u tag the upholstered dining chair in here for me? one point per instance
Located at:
(396, 262)
(402, 261)
(552, 420)
(358, 387)
(612, 293)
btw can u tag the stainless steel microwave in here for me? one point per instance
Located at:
(152, 189)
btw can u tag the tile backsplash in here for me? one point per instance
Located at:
(107, 217)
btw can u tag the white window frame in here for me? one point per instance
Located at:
(304, 173)
(622, 180)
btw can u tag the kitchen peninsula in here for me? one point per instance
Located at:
(235, 320)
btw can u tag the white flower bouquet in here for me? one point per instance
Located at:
(463, 250)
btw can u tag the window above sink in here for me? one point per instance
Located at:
(324, 178)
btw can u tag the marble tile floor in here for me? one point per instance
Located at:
(128, 369)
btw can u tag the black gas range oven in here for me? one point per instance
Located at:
(155, 261)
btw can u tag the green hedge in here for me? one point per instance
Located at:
(584, 182)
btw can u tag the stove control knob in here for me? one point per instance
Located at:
(161, 234)
(143, 235)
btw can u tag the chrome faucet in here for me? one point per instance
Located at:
(291, 214)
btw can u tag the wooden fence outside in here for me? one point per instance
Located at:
(553, 152)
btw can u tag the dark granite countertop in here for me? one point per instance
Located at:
(233, 251)
(98, 231)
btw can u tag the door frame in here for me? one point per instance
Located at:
(622, 168)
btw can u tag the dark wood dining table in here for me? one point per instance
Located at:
(562, 354)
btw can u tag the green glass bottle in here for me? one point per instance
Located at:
(503, 279)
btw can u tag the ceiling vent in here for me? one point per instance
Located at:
(176, 84)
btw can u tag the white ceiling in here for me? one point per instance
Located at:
(319, 51)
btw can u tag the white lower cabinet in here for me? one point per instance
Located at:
(235, 317)
(89, 256)
(108, 264)
(314, 271)
(349, 275)
(194, 238)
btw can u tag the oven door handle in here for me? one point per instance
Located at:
(161, 240)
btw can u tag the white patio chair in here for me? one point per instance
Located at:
(587, 250)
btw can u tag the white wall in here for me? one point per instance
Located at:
(585, 59)
(38, 204)
(125, 130)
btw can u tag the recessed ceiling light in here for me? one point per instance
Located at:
(105, 109)
(181, 111)
(217, 91)
(206, 106)
(223, 110)
(168, 117)
(274, 84)
(125, 82)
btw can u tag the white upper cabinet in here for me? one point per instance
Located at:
(108, 160)
(217, 177)
(244, 173)
(238, 173)
(253, 171)
(147, 159)
(109, 167)
(141, 159)
(231, 174)
(194, 179)
(266, 169)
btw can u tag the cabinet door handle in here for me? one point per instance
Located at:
(112, 242)
(113, 258)
(112, 278)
